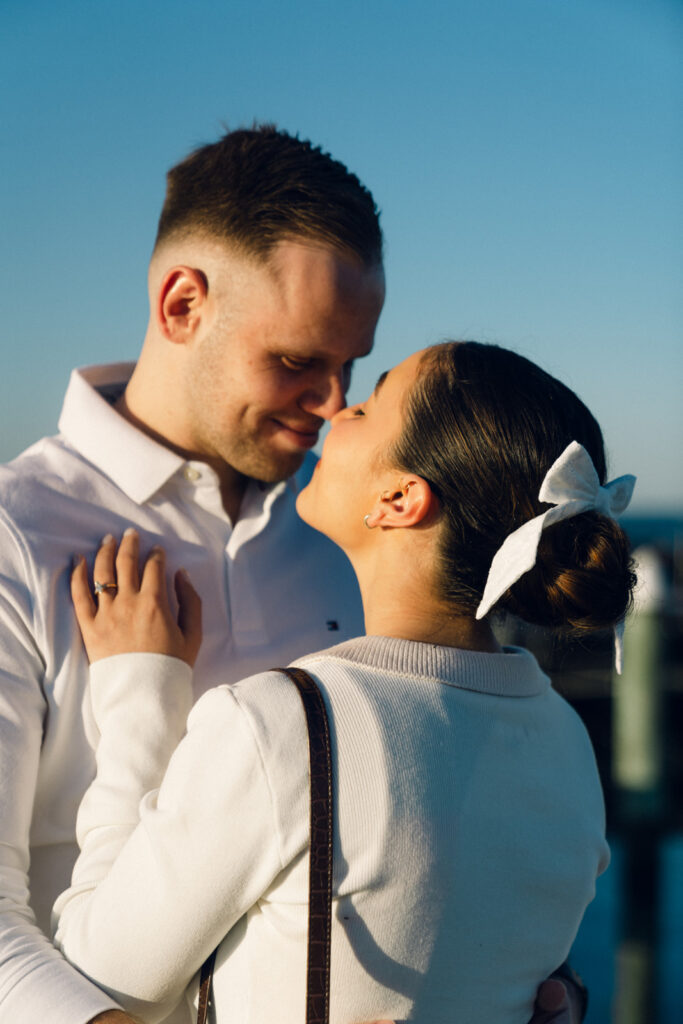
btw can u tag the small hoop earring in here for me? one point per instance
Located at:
(365, 520)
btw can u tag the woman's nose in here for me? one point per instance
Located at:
(342, 414)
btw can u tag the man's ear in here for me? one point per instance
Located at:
(408, 504)
(180, 303)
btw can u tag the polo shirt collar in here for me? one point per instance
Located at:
(136, 463)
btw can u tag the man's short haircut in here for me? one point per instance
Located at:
(256, 187)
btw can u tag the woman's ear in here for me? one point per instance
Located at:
(409, 503)
(180, 303)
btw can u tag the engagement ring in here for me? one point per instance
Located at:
(100, 588)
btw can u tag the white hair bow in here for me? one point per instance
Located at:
(572, 486)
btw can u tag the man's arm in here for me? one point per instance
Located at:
(36, 983)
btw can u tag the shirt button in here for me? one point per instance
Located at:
(191, 474)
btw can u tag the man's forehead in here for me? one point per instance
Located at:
(320, 285)
(303, 254)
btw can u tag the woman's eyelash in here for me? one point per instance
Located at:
(358, 411)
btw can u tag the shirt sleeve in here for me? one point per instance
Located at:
(36, 983)
(151, 898)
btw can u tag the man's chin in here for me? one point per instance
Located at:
(282, 467)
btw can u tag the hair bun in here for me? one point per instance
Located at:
(583, 578)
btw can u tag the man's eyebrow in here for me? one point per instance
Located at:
(380, 380)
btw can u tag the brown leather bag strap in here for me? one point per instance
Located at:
(205, 979)
(320, 860)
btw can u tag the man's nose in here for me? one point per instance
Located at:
(326, 399)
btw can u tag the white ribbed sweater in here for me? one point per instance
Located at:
(469, 833)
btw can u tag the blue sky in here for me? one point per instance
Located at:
(526, 154)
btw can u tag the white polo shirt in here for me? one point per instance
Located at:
(272, 589)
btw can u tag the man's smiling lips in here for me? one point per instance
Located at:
(304, 435)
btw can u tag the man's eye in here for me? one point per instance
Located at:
(292, 363)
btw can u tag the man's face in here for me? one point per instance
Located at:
(275, 361)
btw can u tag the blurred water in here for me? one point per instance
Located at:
(595, 948)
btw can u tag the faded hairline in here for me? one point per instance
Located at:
(188, 235)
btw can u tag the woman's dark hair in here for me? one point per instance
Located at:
(483, 426)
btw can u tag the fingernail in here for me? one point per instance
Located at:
(185, 574)
(130, 532)
(76, 561)
(107, 539)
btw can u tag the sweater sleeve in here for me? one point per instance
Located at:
(151, 898)
(141, 703)
(36, 983)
